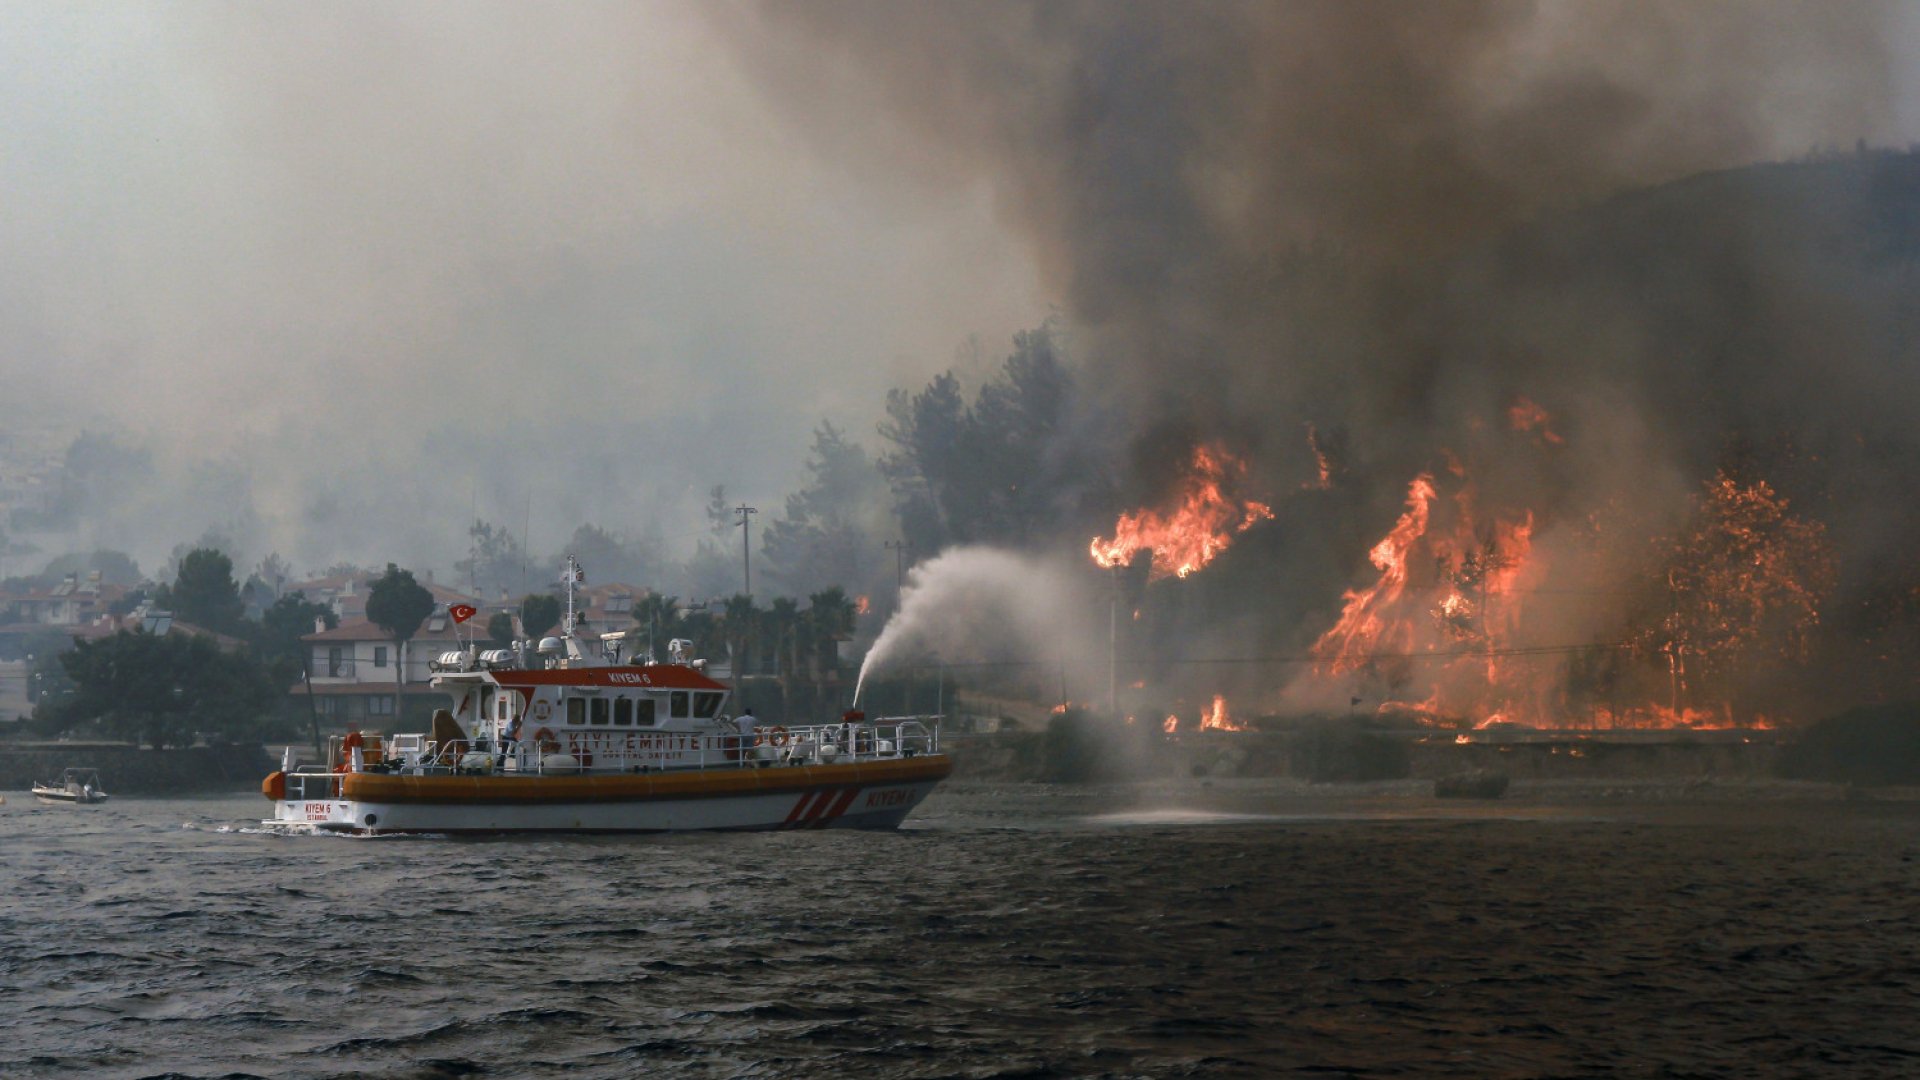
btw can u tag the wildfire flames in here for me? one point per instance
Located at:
(1192, 533)
(862, 605)
(1526, 416)
(1443, 622)
(1467, 622)
(1216, 718)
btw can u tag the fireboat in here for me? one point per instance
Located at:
(566, 737)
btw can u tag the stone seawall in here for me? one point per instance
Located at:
(125, 770)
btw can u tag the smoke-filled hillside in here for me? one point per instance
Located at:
(1491, 377)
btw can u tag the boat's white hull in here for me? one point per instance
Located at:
(67, 798)
(845, 797)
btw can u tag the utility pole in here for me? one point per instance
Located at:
(900, 549)
(746, 560)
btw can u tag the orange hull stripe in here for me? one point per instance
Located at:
(624, 787)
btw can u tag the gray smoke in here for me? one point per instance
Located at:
(1394, 221)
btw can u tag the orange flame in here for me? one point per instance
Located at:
(1216, 718)
(1322, 461)
(1527, 416)
(1363, 619)
(862, 605)
(1189, 536)
(1171, 725)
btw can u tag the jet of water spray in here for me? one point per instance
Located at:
(977, 603)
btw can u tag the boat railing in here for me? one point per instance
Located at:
(602, 751)
(313, 786)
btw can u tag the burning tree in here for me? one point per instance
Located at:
(1188, 535)
(1745, 581)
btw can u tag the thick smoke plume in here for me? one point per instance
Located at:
(1403, 226)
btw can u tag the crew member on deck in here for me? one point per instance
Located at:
(509, 740)
(348, 745)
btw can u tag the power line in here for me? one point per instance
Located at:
(1458, 654)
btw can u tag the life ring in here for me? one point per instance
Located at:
(543, 741)
(773, 736)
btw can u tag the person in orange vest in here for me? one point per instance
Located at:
(348, 745)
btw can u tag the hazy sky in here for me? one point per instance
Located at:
(392, 261)
(359, 271)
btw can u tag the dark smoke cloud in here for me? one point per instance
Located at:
(1391, 221)
(1174, 164)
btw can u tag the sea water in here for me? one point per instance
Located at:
(1009, 930)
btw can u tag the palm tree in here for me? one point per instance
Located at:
(738, 621)
(779, 630)
(830, 613)
(660, 615)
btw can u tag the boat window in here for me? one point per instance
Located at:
(623, 712)
(577, 711)
(677, 704)
(705, 705)
(643, 712)
(599, 710)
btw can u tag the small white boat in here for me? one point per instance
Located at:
(81, 787)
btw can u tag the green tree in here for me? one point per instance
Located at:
(539, 613)
(660, 617)
(740, 622)
(114, 567)
(830, 616)
(780, 631)
(205, 594)
(500, 630)
(494, 562)
(611, 557)
(829, 534)
(282, 625)
(398, 604)
(279, 647)
(162, 690)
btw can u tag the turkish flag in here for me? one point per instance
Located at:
(462, 612)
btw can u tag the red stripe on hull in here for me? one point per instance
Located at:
(839, 806)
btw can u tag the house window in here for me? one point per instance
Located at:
(379, 656)
(336, 663)
(380, 705)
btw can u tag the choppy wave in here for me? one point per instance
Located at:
(1012, 932)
